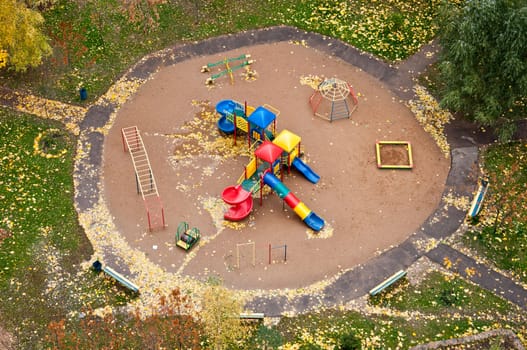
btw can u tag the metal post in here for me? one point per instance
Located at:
(124, 140)
(149, 222)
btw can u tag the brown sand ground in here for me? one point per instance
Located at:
(366, 210)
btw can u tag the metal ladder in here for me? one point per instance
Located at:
(145, 181)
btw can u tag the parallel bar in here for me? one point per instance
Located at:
(121, 279)
(388, 282)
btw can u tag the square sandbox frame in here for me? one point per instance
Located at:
(405, 144)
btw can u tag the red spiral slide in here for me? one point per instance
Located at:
(241, 202)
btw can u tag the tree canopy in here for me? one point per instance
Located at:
(22, 44)
(484, 62)
(220, 316)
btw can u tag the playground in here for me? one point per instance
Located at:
(366, 209)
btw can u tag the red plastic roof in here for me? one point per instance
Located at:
(268, 152)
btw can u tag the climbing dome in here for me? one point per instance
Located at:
(333, 99)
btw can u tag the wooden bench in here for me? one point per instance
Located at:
(387, 282)
(252, 316)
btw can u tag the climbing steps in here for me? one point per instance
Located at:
(144, 177)
(340, 110)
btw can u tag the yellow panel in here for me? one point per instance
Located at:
(241, 124)
(293, 155)
(250, 110)
(250, 169)
(256, 135)
(182, 244)
(302, 210)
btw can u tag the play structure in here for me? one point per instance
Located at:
(258, 124)
(272, 153)
(477, 202)
(97, 266)
(144, 177)
(386, 164)
(186, 238)
(333, 99)
(239, 62)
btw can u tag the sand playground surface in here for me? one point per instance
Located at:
(366, 209)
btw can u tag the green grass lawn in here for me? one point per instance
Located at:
(96, 41)
(42, 243)
(440, 307)
(501, 231)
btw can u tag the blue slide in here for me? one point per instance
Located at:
(228, 107)
(305, 170)
(315, 222)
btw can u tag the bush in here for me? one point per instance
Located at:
(309, 347)
(349, 341)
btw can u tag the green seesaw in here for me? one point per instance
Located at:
(228, 69)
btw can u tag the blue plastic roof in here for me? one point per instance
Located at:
(262, 117)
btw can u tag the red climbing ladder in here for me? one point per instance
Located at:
(144, 177)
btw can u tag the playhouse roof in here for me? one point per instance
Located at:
(334, 89)
(287, 140)
(262, 117)
(268, 152)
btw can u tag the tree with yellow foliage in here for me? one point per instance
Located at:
(220, 316)
(22, 44)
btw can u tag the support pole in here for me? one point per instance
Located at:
(149, 222)
(124, 141)
(235, 127)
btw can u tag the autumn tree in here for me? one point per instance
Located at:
(220, 316)
(22, 44)
(168, 326)
(483, 62)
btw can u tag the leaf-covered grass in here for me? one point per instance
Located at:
(440, 307)
(42, 244)
(96, 41)
(501, 233)
(440, 293)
